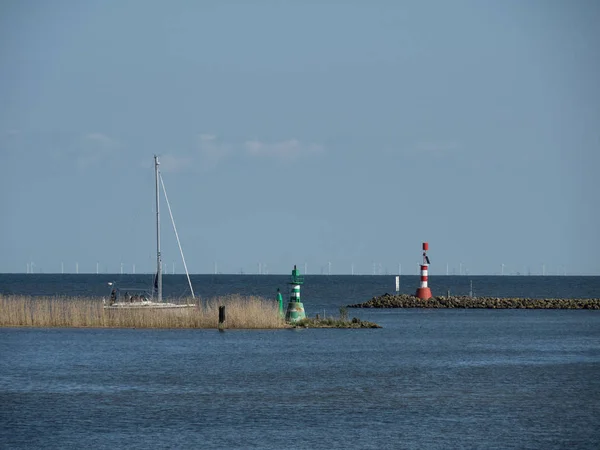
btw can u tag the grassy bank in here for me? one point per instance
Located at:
(409, 301)
(334, 322)
(78, 312)
(315, 322)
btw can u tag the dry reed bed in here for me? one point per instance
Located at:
(77, 312)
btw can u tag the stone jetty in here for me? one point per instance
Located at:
(409, 301)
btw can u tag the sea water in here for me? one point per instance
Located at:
(427, 379)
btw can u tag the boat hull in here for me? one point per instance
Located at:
(148, 305)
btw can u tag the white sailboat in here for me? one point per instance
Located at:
(153, 300)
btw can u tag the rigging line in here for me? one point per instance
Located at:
(176, 235)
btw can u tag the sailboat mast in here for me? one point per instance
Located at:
(158, 259)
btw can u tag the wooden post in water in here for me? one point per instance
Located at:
(221, 317)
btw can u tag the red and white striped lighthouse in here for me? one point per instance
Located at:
(423, 292)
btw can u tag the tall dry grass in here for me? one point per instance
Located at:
(241, 312)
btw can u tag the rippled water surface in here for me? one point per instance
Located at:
(427, 379)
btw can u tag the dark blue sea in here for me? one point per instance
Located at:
(434, 379)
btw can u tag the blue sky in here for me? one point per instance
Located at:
(301, 133)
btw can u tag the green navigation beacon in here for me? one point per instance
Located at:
(295, 309)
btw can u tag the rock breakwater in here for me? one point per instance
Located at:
(409, 301)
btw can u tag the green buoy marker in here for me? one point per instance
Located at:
(295, 309)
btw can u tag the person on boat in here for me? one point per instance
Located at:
(113, 296)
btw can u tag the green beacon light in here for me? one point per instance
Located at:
(295, 309)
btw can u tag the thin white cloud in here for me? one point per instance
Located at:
(211, 150)
(436, 147)
(9, 140)
(286, 150)
(102, 139)
(96, 148)
(170, 163)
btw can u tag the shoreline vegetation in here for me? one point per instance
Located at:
(84, 312)
(466, 302)
(332, 322)
(78, 312)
